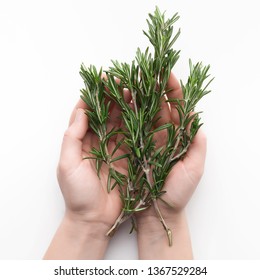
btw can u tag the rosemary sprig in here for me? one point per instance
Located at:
(146, 79)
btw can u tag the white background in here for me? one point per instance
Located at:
(43, 43)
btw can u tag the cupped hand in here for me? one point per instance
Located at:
(85, 194)
(186, 174)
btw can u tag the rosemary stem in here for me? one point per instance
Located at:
(120, 219)
(116, 224)
(183, 152)
(177, 142)
(165, 226)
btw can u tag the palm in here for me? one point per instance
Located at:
(185, 175)
(96, 195)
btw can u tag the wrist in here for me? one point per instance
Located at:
(150, 224)
(89, 227)
(152, 237)
(78, 239)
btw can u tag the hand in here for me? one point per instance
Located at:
(90, 210)
(179, 186)
(85, 194)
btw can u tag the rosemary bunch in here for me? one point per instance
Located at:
(146, 78)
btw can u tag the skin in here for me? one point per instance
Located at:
(91, 211)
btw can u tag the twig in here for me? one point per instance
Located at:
(165, 226)
(118, 221)
(183, 152)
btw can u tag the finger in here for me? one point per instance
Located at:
(114, 119)
(174, 87)
(121, 125)
(127, 95)
(175, 92)
(115, 114)
(195, 158)
(71, 150)
(164, 115)
(80, 105)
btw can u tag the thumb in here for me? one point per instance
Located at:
(195, 158)
(71, 150)
(79, 126)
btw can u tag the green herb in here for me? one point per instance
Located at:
(146, 79)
